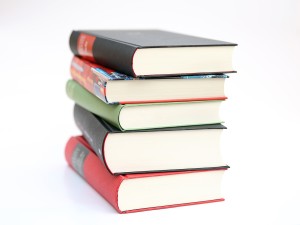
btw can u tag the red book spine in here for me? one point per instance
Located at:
(94, 172)
(92, 169)
(81, 71)
(94, 77)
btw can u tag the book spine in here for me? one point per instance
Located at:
(106, 52)
(94, 132)
(82, 160)
(82, 72)
(90, 102)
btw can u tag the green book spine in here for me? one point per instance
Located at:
(82, 97)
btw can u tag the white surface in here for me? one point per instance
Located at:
(261, 145)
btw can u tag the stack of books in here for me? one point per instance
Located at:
(147, 103)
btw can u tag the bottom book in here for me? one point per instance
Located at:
(141, 192)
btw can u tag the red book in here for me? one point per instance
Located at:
(113, 87)
(141, 192)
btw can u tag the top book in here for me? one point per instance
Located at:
(153, 52)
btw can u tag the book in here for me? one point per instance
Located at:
(116, 88)
(141, 192)
(147, 116)
(152, 52)
(155, 150)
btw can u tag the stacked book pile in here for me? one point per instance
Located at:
(147, 104)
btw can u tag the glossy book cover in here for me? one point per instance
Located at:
(94, 78)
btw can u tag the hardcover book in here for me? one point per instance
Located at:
(116, 88)
(140, 192)
(155, 150)
(147, 116)
(153, 52)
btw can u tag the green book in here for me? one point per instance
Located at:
(147, 116)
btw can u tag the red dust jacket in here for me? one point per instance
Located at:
(83, 160)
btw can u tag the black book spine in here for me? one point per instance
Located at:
(107, 52)
(73, 42)
(92, 129)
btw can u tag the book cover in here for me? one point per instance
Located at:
(116, 48)
(82, 160)
(94, 78)
(95, 130)
(114, 114)
(90, 102)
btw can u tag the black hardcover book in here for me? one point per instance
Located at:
(153, 52)
(156, 150)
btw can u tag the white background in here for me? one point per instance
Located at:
(262, 113)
